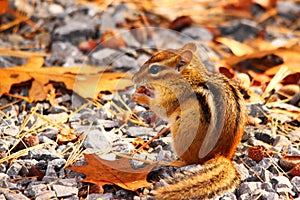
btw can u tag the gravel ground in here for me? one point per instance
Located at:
(34, 153)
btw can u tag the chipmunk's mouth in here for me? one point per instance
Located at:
(143, 90)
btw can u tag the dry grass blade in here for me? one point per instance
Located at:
(75, 154)
(22, 152)
(256, 174)
(279, 76)
(149, 141)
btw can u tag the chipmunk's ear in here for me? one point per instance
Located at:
(190, 46)
(185, 59)
(187, 55)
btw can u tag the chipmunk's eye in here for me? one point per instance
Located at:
(180, 64)
(154, 69)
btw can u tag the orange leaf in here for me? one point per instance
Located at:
(87, 81)
(119, 172)
(3, 6)
(237, 48)
(290, 57)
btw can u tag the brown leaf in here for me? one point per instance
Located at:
(290, 58)
(180, 22)
(88, 46)
(87, 81)
(295, 171)
(119, 172)
(242, 5)
(257, 153)
(112, 39)
(289, 161)
(66, 136)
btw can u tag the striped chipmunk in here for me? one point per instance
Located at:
(207, 116)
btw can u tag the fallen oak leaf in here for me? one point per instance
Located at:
(119, 172)
(289, 56)
(237, 48)
(86, 81)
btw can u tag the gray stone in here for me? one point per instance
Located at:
(55, 9)
(13, 195)
(4, 178)
(11, 131)
(264, 135)
(35, 189)
(4, 145)
(45, 139)
(50, 175)
(198, 33)
(257, 109)
(228, 196)
(68, 182)
(282, 185)
(98, 141)
(296, 182)
(269, 195)
(75, 31)
(65, 51)
(2, 197)
(14, 169)
(266, 175)
(130, 40)
(2, 168)
(281, 141)
(104, 57)
(106, 123)
(46, 195)
(50, 133)
(125, 61)
(107, 196)
(248, 187)
(44, 154)
(293, 150)
(140, 131)
(107, 22)
(287, 8)
(51, 171)
(266, 163)
(250, 196)
(57, 163)
(267, 186)
(242, 170)
(64, 191)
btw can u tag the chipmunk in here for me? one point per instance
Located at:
(206, 113)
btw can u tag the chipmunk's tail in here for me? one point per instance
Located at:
(206, 181)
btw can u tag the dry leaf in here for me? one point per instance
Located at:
(290, 57)
(21, 54)
(88, 46)
(112, 39)
(180, 23)
(266, 3)
(237, 48)
(242, 5)
(3, 6)
(86, 81)
(119, 172)
(289, 161)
